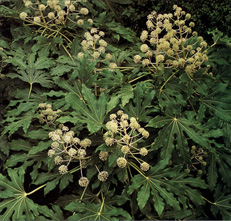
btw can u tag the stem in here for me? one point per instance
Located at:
(67, 52)
(208, 200)
(30, 90)
(27, 194)
(83, 193)
(135, 167)
(167, 81)
(44, 20)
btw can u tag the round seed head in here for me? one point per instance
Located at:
(83, 181)
(102, 176)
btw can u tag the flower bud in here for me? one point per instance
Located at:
(121, 162)
(83, 181)
(102, 176)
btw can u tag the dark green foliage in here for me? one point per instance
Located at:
(184, 121)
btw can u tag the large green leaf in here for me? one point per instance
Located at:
(90, 110)
(17, 122)
(222, 202)
(173, 135)
(141, 105)
(218, 101)
(30, 71)
(92, 211)
(166, 188)
(16, 205)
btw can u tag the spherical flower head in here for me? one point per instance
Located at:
(137, 58)
(101, 33)
(145, 134)
(42, 105)
(90, 21)
(101, 49)
(144, 48)
(153, 41)
(80, 55)
(51, 15)
(143, 151)
(124, 123)
(125, 149)
(23, 15)
(121, 162)
(28, 4)
(109, 141)
(72, 8)
(112, 126)
(80, 22)
(113, 65)
(96, 54)
(149, 24)
(42, 7)
(81, 153)
(76, 140)
(55, 145)
(57, 8)
(108, 56)
(83, 181)
(63, 169)
(56, 137)
(126, 138)
(51, 153)
(102, 176)
(181, 61)
(144, 166)
(84, 11)
(72, 151)
(85, 143)
(65, 128)
(146, 62)
(102, 43)
(203, 44)
(112, 116)
(149, 53)
(37, 19)
(58, 160)
(120, 112)
(159, 58)
(103, 155)
(67, 138)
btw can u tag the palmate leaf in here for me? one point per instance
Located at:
(16, 122)
(222, 202)
(30, 71)
(140, 106)
(16, 205)
(90, 110)
(53, 180)
(173, 135)
(166, 187)
(218, 101)
(92, 211)
(125, 93)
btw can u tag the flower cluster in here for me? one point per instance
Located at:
(96, 46)
(66, 147)
(55, 12)
(171, 41)
(47, 115)
(126, 132)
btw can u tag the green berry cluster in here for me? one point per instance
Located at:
(171, 41)
(197, 159)
(125, 132)
(66, 147)
(47, 115)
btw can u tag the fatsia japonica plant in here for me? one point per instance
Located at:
(100, 124)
